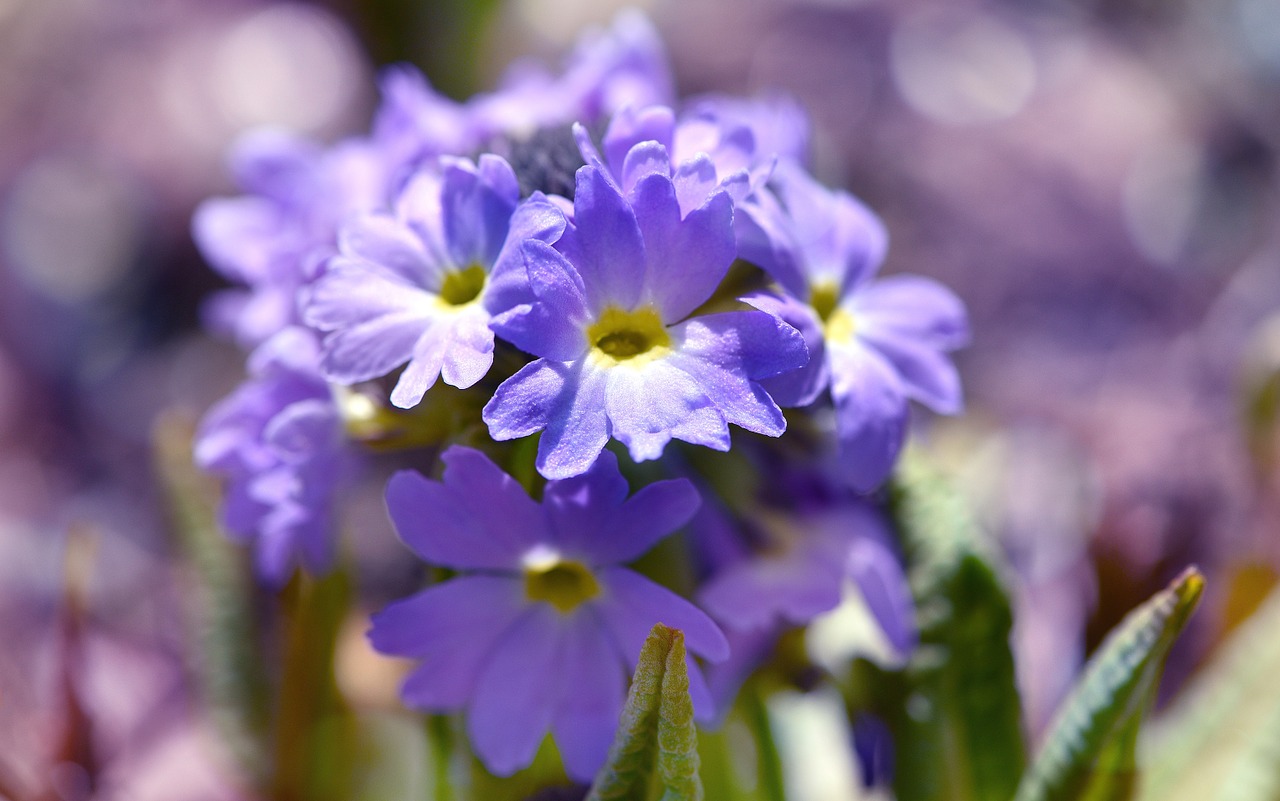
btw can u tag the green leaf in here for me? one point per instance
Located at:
(226, 660)
(655, 753)
(1089, 754)
(954, 709)
(1221, 738)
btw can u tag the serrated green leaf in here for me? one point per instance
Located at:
(1220, 741)
(655, 752)
(956, 716)
(1089, 754)
(226, 660)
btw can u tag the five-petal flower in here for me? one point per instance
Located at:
(541, 628)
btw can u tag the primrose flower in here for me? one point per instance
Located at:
(543, 626)
(802, 570)
(273, 239)
(278, 442)
(621, 352)
(610, 69)
(413, 287)
(874, 343)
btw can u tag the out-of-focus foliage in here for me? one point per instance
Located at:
(1090, 751)
(954, 709)
(1221, 739)
(225, 656)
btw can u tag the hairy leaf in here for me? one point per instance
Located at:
(955, 714)
(1089, 753)
(655, 753)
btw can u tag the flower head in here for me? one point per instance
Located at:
(416, 286)
(273, 239)
(610, 69)
(874, 343)
(542, 627)
(278, 442)
(622, 352)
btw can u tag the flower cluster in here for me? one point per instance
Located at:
(599, 265)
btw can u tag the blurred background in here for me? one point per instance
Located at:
(1095, 178)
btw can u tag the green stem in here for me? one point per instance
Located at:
(770, 762)
(440, 743)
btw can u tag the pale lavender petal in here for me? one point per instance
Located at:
(235, 235)
(630, 127)
(725, 353)
(874, 567)
(802, 386)
(553, 326)
(765, 239)
(590, 154)
(469, 350)
(274, 164)
(871, 414)
(695, 179)
(536, 218)
(916, 306)
(537, 329)
(927, 374)
(527, 401)
(587, 717)
(648, 406)
(385, 241)
(302, 429)
(476, 213)
(646, 158)
(423, 369)
(610, 248)
(578, 428)
(374, 348)
(842, 240)
(759, 592)
(497, 173)
(686, 259)
(517, 693)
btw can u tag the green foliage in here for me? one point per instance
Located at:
(655, 753)
(226, 660)
(954, 709)
(1221, 739)
(1089, 754)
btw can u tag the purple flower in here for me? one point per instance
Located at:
(273, 239)
(619, 67)
(874, 344)
(777, 124)
(278, 442)
(717, 142)
(415, 286)
(543, 626)
(802, 569)
(622, 353)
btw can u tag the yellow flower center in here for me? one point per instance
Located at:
(460, 287)
(838, 324)
(562, 583)
(620, 336)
